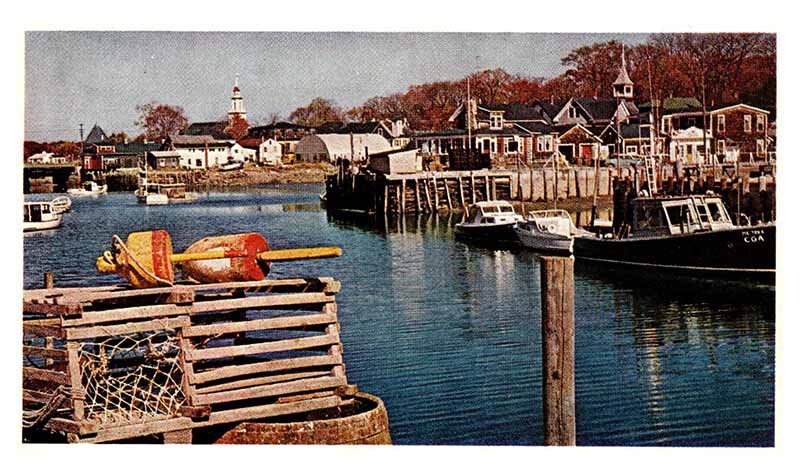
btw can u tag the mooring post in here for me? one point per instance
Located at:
(49, 280)
(558, 351)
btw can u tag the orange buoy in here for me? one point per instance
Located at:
(143, 259)
(241, 265)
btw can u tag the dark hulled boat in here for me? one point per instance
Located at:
(690, 234)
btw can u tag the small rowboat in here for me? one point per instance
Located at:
(61, 204)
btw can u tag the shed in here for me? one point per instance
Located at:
(396, 162)
(164, 159)
(330, 147)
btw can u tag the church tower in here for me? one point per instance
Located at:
(623, 86)
(237, 103)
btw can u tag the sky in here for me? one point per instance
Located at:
(100, 77)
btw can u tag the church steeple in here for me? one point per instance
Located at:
(623, 86)
(237, 103)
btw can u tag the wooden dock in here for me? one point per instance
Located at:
(112, 363)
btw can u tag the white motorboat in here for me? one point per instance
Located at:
(88, 188)
(61, 204)
(547, 230)
(231, 165)
(39, 216)
(490, 221)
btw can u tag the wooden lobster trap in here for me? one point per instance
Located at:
(111, 363)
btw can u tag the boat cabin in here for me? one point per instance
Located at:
(37, 212)
(679, 215)
(492, 212)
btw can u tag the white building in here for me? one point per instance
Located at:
(43, 157)
(205, 152)
(330, 147)
(686, 145)
(269, 152)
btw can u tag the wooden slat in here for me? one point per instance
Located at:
(52, 308)
(271, 390)
(261, 324)
(35, 396)
(44, 352)
(260, 348)
(71, 426)
(261, 367)
(123, 314)
(91, 296)
(271, 379)
(127, 328)
(265, 301)
(44, 375)
(43, 328)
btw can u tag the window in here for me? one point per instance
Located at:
(544, 143)
(494, 147)
(760, 147)
(748, 123)
(760, 122)
(680, 214)
(628, 90)
(630, 150)
(721, 124)
(572, 112)
(691, 122)
(198, 163)
(496, 120)
(720, 146)
(512, 146)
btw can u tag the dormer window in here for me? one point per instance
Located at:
(496, 120)
(572, 113)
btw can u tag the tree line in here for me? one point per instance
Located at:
(718, 67)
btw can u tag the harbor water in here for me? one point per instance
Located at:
(448, 334)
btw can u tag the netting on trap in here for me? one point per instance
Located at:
(131, 378)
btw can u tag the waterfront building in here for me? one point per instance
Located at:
(204, 152)
(45, 157)
(285, 133)
(163, 160)
(102, 154)
(332, 147)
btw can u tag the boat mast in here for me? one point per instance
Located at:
(469, 120)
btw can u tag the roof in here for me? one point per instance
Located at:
(96, 135)
(340, 143)
(623, 78)
(330, 127)
(215, 129)
(674, 105)
(182, 139)
(551, 108)
(355, 127)
(136, 147)
(277, 125)
(252, 143)
(720, 108)
(514, 111)
(391, 152)
(165, 153)
(598, 108)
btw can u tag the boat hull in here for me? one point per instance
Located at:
(496, 232)
(544, 241)
(743, 251)
(28, 226)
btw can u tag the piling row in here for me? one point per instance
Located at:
(432, 192)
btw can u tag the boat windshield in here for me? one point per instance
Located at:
(506, 209)
(717, 211)
(488, 209)
(680, 214)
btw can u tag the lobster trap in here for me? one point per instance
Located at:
(111, 363)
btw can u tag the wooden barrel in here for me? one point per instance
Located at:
(364, 422)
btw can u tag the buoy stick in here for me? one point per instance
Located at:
(281, 255)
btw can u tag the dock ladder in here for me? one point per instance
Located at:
(650, 172)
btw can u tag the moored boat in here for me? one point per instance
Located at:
(489, 221)
(61, 204)
(39, 216)
(88, 188)
(547, 230)
(688, 234)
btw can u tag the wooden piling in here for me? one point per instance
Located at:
(558, 351)
(461, 192)
(435, 193)
(49, 280)
(417, 196)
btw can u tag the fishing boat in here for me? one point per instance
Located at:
(39, 216)
(88, 188)
(688, 234)
(547, 230)
(61, 204)
(489, 221)
(154, 193)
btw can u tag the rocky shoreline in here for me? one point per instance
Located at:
(249, 176)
